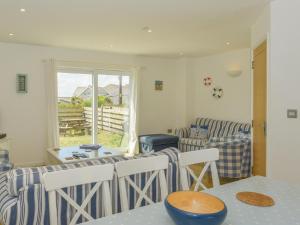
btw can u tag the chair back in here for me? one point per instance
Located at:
(207, 156)
(55, 181)
(155, 165)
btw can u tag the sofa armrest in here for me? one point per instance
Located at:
(182, 132)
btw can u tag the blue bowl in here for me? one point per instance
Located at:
(186, 217)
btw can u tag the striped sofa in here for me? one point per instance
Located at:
(24, 201)
(235, 151)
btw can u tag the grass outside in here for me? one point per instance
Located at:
(107, 139)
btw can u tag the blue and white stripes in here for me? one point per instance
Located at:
(235, 149)
(24, 201)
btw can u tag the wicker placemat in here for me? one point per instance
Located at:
(256, 199)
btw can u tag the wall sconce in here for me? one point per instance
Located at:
(234, 73)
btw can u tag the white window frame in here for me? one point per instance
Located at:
(95, 73)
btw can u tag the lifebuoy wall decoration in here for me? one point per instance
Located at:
(217, 92)
(207, 81)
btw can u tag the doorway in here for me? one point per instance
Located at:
(259, 109)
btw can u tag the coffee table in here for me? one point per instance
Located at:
(65, 155)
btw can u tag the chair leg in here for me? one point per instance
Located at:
(53, 208)
(214, 174)
(163, 184)
(123, 194)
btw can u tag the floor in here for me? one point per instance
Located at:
(207, 181)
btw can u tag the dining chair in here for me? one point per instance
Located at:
(207, 156)
(55, 181)
(154, 165)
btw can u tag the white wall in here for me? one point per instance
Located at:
(236, 102)
(261, 28)
(284, 141)
(23, 117)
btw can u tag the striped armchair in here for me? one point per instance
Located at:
(235, 150)
(24, 201)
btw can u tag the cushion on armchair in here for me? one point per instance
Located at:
(5, 164)
(199, 132)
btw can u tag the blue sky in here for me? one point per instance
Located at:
(68, 82)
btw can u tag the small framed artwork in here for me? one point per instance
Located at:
(159, 85)
(21, 84)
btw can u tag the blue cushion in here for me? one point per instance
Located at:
(244, 131)
(158, 139)
(199, 131)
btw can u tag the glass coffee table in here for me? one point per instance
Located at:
(66, 154)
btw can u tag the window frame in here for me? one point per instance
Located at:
(94, 73)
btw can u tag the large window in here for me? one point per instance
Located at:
(93, 108)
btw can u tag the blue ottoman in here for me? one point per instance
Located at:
(157, 142)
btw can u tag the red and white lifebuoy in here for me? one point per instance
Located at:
(207, 81)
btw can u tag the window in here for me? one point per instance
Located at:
(93, 107)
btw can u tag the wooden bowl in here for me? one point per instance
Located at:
(195, 208)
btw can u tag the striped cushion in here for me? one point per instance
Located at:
(214, 126)
(220, 128)
(232, 128)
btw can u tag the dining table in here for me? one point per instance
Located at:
(285, 211)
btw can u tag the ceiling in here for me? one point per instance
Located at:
(179, 27)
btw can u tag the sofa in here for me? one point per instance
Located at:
(24, 201)
(233, 140)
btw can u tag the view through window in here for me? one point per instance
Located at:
(77, 113)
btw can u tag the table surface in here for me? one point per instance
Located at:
(285, 212)
(63, 153)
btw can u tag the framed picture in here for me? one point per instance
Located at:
(21, 83)
(159, 85)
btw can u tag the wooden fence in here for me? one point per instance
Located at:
(110, 118)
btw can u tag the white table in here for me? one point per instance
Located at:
(60, 156)
(285, 212)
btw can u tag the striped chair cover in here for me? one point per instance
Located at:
(24, 201)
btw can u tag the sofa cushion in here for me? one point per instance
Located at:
(214, 126)
(22, 177)
(199, 132)
(220, 128)
(231, 128)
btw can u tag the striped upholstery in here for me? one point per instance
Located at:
(24, 201)
(235, 153)
(220, 128)
(183, 132)
(190, 144)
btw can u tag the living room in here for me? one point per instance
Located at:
(71, 77)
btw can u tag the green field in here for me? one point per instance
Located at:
(105, 138)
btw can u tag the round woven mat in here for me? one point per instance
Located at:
(256, 199)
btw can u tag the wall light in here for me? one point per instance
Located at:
(234, 72)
